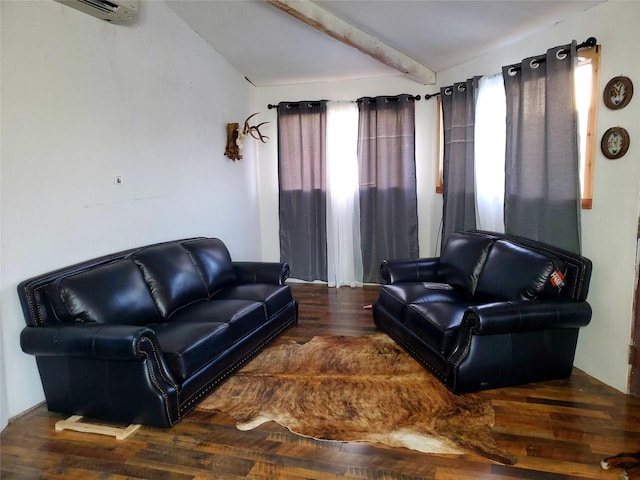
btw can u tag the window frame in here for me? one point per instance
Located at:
(439, 147)
(592, 55)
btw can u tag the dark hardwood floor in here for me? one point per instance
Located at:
(558, 430)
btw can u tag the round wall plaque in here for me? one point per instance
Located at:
(615, 143)
(618, 92)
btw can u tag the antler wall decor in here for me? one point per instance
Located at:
(235, 137)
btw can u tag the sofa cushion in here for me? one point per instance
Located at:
(190, 346)
(436, 323)
(274, 297)
(214, 262)
(395, 298)
(112, 293)
(462, 259)
(242, 316)
(171, 275)
(514, 272)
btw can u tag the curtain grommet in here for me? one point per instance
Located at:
(561, 54)
(512, 71)
(534, 64)
(448, 91)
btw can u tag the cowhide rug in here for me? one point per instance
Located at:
(357, 389)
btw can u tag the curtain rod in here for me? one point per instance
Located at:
(588, 43)
(297, 104)
(392, 98)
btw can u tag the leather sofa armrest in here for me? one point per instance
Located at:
(88, 340)
(414, 270)
(261, 272)
(522, 316)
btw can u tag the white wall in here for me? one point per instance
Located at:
(84, 100)
(609, 229)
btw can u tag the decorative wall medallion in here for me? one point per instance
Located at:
(618, 92)
(615, 143)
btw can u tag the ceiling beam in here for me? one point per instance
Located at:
(325, 21)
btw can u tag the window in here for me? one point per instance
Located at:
(334, 162)
(587, 81)
(587, 86)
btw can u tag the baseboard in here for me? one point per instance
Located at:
(27, 412)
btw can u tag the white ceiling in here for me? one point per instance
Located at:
(271, 47)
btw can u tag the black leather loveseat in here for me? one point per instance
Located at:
(141, 336)
(493, 310)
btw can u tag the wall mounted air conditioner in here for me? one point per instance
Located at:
(121, 12)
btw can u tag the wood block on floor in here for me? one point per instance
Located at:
(74, 423)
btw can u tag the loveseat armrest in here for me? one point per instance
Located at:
(507, 317)
(412, 270)
(107, 371)
(88, 340)
(261, 272)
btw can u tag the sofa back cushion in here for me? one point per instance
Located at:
(514, 272)
(112, 293)
(462, 259)
(214, 262)
(171, 275)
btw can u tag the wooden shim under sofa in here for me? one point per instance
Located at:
(74, 423)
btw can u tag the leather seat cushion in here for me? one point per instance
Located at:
(395, 298)
(190, 346)
(274, 297)
(513, 273)
(242, 316)
(436, 323)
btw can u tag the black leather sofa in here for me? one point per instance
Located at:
(493, 310)
(142, 336)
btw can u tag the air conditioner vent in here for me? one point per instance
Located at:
(106, 7)
(121, 12)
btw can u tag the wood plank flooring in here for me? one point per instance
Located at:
(559, 430)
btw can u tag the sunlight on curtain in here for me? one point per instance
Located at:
(489, 153)
(344, 254)
(542, 190)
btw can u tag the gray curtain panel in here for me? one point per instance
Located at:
(458, 119)
(542, 180)
(387, 171)
(302, 181)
